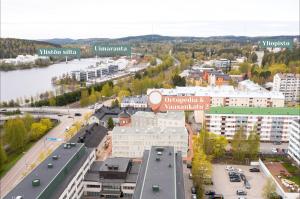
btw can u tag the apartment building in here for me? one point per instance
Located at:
(115, 177)
(132, 141)
(272, 124)
(135, 101)
(294, 141)
(58, 176)
(288, 84)
(151, 119)
(226, 95)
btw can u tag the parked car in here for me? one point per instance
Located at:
(77, 114)
(235, 179)
(210, 192)
(277, 143)
(242, 197)
(194, 196)
(243, 177)
(241, 192)
(229, 168)
(193, 190)
(274, 150)
(216, 196)
(189, 165)
(254, 169)
(247, 184)
(190, 176)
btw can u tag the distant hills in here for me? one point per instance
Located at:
(11, 48)
(160, 38)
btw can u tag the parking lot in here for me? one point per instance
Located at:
(222, 184)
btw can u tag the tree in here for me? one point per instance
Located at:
(28, 120)
(239, 144)
(3, 156)
(122, 94)
(107, 90)
(269, 189)
(178, 81)
(46, 122)
(52, 101)
(15, 133)
(245, 67)
(84, 99)
(37, 130)
(110, 123)
(253, 144)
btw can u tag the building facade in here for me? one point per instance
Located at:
(294, 141)
(288, 84)
(135, 101)
(272, 124)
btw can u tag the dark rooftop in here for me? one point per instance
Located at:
(48, 175)
(161, 175)
(91, 135)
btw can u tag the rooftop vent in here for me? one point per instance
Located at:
(170, 165)
(55, 157)
(155, 188)
(159, 149)
(36, 182)
(50, 165)
(157, 158)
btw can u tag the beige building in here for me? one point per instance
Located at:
(288, 84)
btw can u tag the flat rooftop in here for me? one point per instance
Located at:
(254, 111)
(47, 175)
(165, 174)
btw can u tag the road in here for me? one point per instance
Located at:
(22, 167)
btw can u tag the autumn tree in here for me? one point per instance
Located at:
(15, 133)
(84, 99)
(110, 123)
(253, 142)
(37, 130)
(239, 144)
(3, 156)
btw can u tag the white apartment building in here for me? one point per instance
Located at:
(272, 124)
(135, 101)
(288, 84)
(226, 95)
(294, 141)
(248, 85)
(149, 129)
(150, 119)
(132, 141)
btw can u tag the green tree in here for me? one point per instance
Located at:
(110, 123)
(37, 130)
(122, 94)
(3, 156)
(15, 133)
(52, 101)
(245, 67)
(253, 144)
(239, 144)
(178, 81)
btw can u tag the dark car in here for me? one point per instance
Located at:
(247, 184)
(210, 192)
(241, 192)
(277, 143)
(235, 179)
(254, 170)
(217, 196)
(189, 165)
(77, 114)
(194, 196)
(193, 190)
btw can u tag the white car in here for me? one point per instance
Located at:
(229, 168)
(274, 150)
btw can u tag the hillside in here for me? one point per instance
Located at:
(11, 48)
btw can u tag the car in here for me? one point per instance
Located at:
(247, 184)
(216, 196)
(235, 180)
(193, 190)
(59, 115)
(189, 165)
(243, 177)
(194, 196)
(190, 176)
(241, 192)
(67, 128)
(210, 192)
(70, 116)
(77, 114)
(274, 150)
(242, 197)
(229, 168)
(254, 169)
(277, 143)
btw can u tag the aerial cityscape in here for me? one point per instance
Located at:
(150, 99)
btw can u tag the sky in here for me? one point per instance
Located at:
(45, 19)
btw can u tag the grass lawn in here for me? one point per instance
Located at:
(294, 171)
(13, 158)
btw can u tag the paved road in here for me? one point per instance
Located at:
(15, 174)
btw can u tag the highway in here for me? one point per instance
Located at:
(16, 173)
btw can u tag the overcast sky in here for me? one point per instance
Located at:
(44, 19)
